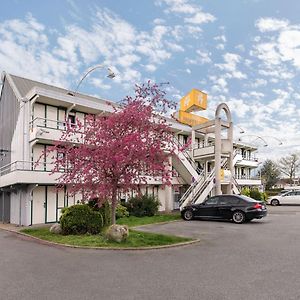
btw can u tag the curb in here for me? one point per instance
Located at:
(102, 248)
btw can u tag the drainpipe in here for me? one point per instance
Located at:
(2, 207)
(20, 208)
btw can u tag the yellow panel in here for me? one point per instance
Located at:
(195, 100)
(190, 119)
(222, 174)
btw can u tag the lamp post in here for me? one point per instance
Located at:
(110, 75)
(273, 137)
(257, 137)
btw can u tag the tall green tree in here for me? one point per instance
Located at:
(289, 165)
(270, 173)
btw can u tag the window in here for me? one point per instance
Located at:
(212, 201)
(71, 119)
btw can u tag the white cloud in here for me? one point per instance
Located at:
(231, 61)
(288, 45)
(220, 47)
(150, 68)
(27, 41)
(271, 24)
(259, 82)
(201, 58)
(199, 18)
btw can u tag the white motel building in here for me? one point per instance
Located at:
(32, 117)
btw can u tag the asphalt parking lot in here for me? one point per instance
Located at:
(259, 260)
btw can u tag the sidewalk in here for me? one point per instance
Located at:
(17, 228)
(11, 227)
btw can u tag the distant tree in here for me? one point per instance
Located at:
(270, 173)
(114, 153)
(289, 165)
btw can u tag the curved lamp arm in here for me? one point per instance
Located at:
(257, 137)
(110, 75)
(273, 137)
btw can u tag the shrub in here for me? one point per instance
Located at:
(104, 210)
(80, 219)
(143, 205)
(245, 191)
(121, 211)
(256, 194)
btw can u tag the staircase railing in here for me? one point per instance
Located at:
(187, 155)
(198, 187)
(191, 188)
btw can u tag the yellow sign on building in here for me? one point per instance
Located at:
(195, 100)
(190, 119)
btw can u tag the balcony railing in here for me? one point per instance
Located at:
(245, 156)
(248, 177)
(26, 166)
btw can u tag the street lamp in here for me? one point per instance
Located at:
(273, 137)
(257, 137)
(241, 129)
(110, 75)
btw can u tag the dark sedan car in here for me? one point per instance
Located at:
(237, 208)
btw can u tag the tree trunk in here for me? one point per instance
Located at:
(113, 207)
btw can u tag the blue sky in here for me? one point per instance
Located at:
(243, 53)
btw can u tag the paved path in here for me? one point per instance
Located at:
(260, 260)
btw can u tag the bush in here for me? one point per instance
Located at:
(245, 191)
(121, 211)
(256, 194)
(104, 210)
(143, 205)
(80, 219)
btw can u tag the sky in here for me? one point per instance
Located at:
(245, 53)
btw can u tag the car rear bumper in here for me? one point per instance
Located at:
(256, 214)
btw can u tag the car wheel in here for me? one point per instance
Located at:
(274, 202)
(238, 217)
(188, 215)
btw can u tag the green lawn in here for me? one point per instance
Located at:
(135, 239)
(135, 221)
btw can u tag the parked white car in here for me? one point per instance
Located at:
(291, 197)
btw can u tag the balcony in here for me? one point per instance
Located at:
(246, 160)
(46, 130)
(25, 172)
(204, 152)
(247, 180)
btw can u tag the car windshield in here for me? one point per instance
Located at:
(248, 198)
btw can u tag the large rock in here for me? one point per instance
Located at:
(56, 228)
(117, 233)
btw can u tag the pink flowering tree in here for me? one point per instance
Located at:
(115, 153)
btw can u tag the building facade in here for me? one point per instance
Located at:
(32, 117)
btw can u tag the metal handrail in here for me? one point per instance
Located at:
(191, 188)
(21, 165)
(236, 184)
(186, 154)
(201, 185)
(60, 125)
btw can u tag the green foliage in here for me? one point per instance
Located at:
(256, 194)
(135, 239)
(133, 221)
(143, 205)
(245, 191)
(80, 219)
(104, 210)
(121, 211)
(270, 174)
